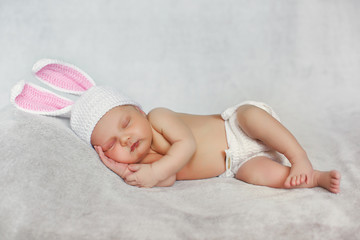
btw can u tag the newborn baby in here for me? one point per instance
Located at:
(157, 149)
(164, 146)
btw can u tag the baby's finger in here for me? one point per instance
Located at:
(131, 177)
(132, 183)
(134, 167)
(293, 181)
(104, 158)
(98, 150)
(116, 167)
(126, 173)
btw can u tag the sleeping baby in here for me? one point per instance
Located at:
(246, 141)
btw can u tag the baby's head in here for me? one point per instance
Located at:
(101, 116)
(124, 134)
(106, 118)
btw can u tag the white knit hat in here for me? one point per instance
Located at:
(94, 103)
(90, 108)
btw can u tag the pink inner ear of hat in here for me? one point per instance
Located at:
(59, 75)
(33, 99)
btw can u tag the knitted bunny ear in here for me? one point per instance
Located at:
(34, 99)
(63, 76)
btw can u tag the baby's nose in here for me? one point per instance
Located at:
(124, 141)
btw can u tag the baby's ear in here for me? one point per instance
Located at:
(63, 76)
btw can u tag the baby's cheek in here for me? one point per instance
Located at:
(114, 156)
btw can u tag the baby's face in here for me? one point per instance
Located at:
(124, 133)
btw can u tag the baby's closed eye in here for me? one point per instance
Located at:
(124, 123)
(127, 122)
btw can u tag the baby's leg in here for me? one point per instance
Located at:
(266, 172)
(260, 125)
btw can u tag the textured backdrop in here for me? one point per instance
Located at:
(301, 57)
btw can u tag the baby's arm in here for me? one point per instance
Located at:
(258, 124)
(167, 182)
(183, 147)
(122, 169)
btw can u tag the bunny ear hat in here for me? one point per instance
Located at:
(94, 101)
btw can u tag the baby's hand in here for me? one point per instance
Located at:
(300, 172)
(120, 169)
(143, 176)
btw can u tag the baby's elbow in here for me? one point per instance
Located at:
(168, 182)
(172, 180)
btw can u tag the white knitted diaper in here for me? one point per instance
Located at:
(241, 147)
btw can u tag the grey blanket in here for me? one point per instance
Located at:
(53, 186)
(300, 57)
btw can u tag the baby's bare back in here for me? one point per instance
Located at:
(209, 158)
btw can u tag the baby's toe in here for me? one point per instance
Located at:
(287, 183)
(303, 178)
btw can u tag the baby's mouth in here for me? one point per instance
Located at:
(134, 146)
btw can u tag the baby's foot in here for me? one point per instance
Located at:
(300, 173)
(328, 180)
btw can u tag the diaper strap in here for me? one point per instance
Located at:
(228, 163)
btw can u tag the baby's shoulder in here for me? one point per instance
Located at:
(160, 114)
(159, 111)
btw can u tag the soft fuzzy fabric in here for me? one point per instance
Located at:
(300, 57)
(65, 192)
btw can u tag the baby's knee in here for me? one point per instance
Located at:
(249, 117)
(248, 112)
